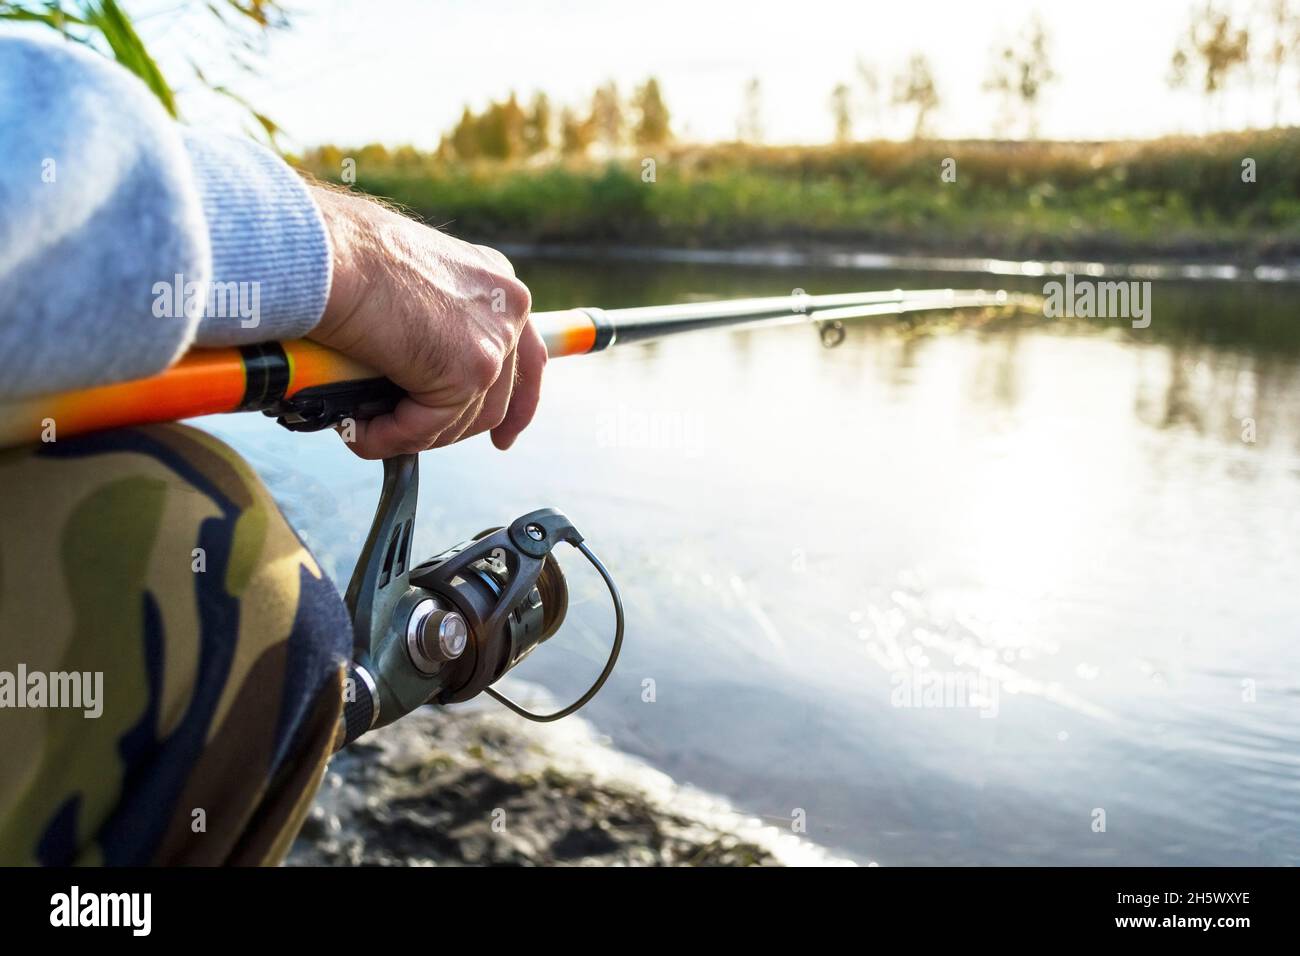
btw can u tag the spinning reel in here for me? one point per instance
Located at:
(447, 629)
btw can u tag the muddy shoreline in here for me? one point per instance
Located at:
(477, 787)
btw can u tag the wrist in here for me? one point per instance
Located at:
(348, 238)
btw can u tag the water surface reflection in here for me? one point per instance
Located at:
(953, 592)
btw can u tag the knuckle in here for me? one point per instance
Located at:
(510, 300)
(521, 297)
(483, 365)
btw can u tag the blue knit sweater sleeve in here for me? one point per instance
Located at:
(126, 238)
(270, 251)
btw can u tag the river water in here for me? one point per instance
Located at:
(988, 592)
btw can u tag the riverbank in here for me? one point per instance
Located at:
(1230, 197)
(480, 787)
(835, 258)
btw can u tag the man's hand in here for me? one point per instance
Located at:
(444, 319)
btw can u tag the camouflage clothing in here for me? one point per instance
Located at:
(222, 666)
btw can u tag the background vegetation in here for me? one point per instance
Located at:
(1182, 197)
(613, 170)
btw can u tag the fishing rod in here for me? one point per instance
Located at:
(443, 630)
(449, 628)
(307, 387)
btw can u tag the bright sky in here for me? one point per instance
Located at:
(400, 71)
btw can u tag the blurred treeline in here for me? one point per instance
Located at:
(613, 168)
(1217, 50)
(507, 130)
(1230, 194)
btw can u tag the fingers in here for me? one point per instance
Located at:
(531, 359)
(493, 407)
(459, 428)
(410, 428)
(414, 427)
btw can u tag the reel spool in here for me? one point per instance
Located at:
(445, 630)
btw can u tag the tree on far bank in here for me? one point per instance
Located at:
(1017, 74)
(1280, 30)
(501, 130)
(841, 104)
(576, 133)
(464, 136)
(496, 133)
(869, 97)
(537, 128)
(914, 89)
(1213, 48)
(749, 126)
(607, 122)
(652, 127)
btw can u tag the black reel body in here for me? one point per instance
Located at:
(475, 578)
(445, 630)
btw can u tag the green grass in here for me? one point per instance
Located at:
(1177, 196)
